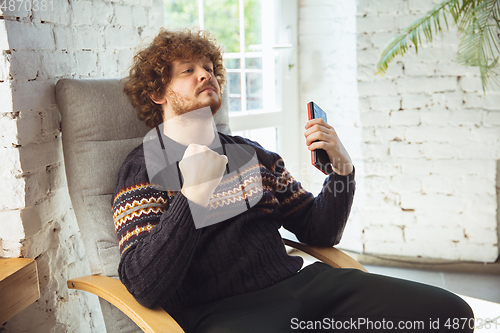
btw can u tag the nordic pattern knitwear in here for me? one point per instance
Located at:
(166, 261)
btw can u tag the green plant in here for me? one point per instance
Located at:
(478, 30)
(221, 17)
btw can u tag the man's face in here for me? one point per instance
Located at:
(193, 85)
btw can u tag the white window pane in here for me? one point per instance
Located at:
(253, 63)
(234, 83)
(254, 85)
(234, 104)
(232, 63)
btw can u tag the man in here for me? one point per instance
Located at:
(235, 275)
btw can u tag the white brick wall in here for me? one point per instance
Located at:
(444, 132)
(327, 74)
(76, 39)
(424, 139)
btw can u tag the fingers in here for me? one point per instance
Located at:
(320, 135)
(317, 121)
(320, 145)
(315, 136)
(320, 132)
(318, 127)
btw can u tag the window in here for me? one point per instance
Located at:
(260, 41)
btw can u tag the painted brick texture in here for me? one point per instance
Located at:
(430, 116)
(424, 138)
(327, 76)
(71, 39)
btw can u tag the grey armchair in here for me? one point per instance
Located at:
(100, 128)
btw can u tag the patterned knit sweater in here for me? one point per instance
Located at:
(167, 262)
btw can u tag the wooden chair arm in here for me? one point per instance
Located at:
(113, 291)
(329, 255)
(158, 320)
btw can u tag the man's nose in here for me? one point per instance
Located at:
(204, 75)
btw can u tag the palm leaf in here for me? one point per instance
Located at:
(463, 14)
(478, 23)
(399, 45)
(480, 45)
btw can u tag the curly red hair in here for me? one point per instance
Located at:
(150, 71)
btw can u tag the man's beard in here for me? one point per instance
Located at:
(181, 105)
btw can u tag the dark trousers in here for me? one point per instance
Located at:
(324, 299)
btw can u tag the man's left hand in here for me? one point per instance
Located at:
(326, 138)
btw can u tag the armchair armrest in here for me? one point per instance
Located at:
(113, 291)
(158, 320)
(329, 255)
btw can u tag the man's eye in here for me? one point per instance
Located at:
(188, 71)
(210, 70)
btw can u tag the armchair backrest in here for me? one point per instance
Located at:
(99, 129)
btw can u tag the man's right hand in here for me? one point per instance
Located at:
(202, 170)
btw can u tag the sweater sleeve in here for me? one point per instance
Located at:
(156, 234)
(319, 220)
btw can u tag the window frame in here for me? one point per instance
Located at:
(279, 60)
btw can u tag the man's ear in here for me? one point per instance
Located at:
(156, 100)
